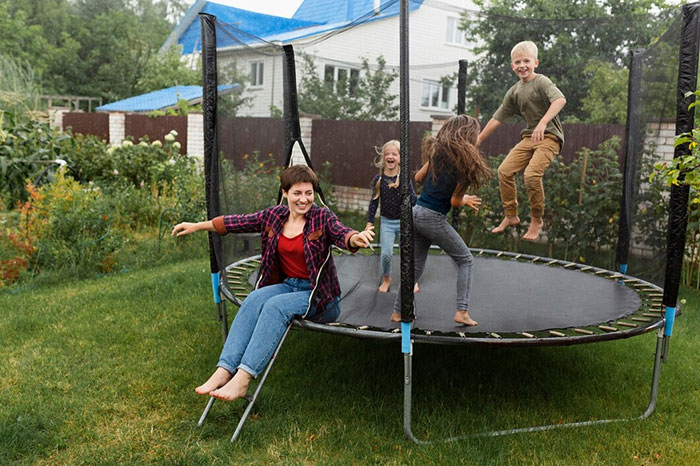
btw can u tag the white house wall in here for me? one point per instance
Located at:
(430, 57)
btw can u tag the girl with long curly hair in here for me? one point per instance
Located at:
(454, 165)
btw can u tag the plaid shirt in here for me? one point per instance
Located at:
(321, 231)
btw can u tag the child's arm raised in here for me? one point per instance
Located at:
(422, 173)
(554, 109)
(487, 130)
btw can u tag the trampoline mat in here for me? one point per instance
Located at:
(506, 296)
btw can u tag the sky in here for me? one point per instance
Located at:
(285, 8)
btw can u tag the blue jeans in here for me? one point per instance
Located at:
(430, 227)
(261, 321)
(388, 230)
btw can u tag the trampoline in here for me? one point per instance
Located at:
(582, 304)
(579, 304)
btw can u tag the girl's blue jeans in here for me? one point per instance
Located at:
(388, 230)
(261, 321)
(430, 227)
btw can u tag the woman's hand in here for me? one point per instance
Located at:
(369, 226)
(362, 239)
(471, 201)
(185, 228)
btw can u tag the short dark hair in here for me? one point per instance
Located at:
(298, 174)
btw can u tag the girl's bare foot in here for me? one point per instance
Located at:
(415, 288)
(508, 221)
(236, 388)
(216, 380)
(396, 316)
(462, 317)
(533, 233)
(386, 283)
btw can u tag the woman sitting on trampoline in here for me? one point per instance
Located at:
(454, 164)
(297, 277)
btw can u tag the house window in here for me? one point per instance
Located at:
(342, 76)
(256, 73)
(453, 35)
(435, 95)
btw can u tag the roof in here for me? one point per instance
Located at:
(163, 98)
(337, 11)
(313, 17)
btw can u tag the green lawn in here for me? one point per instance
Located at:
(101, 371)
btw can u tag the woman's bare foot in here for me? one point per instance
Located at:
(396, 316)
(236, 388)
(508, 221)
(386, 283)
(533, 233)
(216, 380)
(462, 317)
(416, 289)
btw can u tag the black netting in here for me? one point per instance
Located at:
(630, 224)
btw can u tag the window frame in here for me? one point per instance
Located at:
(351, 72)
(257, 68)
(443, 91)
(454, 30)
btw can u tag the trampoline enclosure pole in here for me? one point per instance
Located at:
(678, 211)
(633, 149)
(211, 162)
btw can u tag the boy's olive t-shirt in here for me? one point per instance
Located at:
(531, 100)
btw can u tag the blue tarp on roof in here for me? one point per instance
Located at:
(337, 11)
(311, 18)
(257, 24)
(163, 98)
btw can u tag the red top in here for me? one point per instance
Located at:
(291, 255)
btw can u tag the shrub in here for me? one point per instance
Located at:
(72, 227)
(582, 204)
(26, 150)
(253, 188)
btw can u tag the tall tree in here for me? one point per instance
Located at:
(87, 47)
(569, 35)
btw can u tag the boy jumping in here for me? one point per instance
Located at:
(538, 101)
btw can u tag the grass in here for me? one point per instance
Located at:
(101, 372)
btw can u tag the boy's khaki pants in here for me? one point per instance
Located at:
(534, 159)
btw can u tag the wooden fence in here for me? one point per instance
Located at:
(349, 146)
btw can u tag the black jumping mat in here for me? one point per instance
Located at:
(507, 296)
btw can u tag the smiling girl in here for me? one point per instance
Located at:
(386, 193)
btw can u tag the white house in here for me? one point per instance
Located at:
(338, 34)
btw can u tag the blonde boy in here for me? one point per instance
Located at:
(538, 101)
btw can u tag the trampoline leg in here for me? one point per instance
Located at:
(206, 411)
(407, 397)
(251, 399)
(661, 347)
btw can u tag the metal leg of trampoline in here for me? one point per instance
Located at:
(251, 399)
(206, 411)
(659, 357)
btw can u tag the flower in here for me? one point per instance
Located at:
(157, 143)
(173, 132)
(115, 172)
(169, 137)
(127, 143)
(143, 144)
(176, 145)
